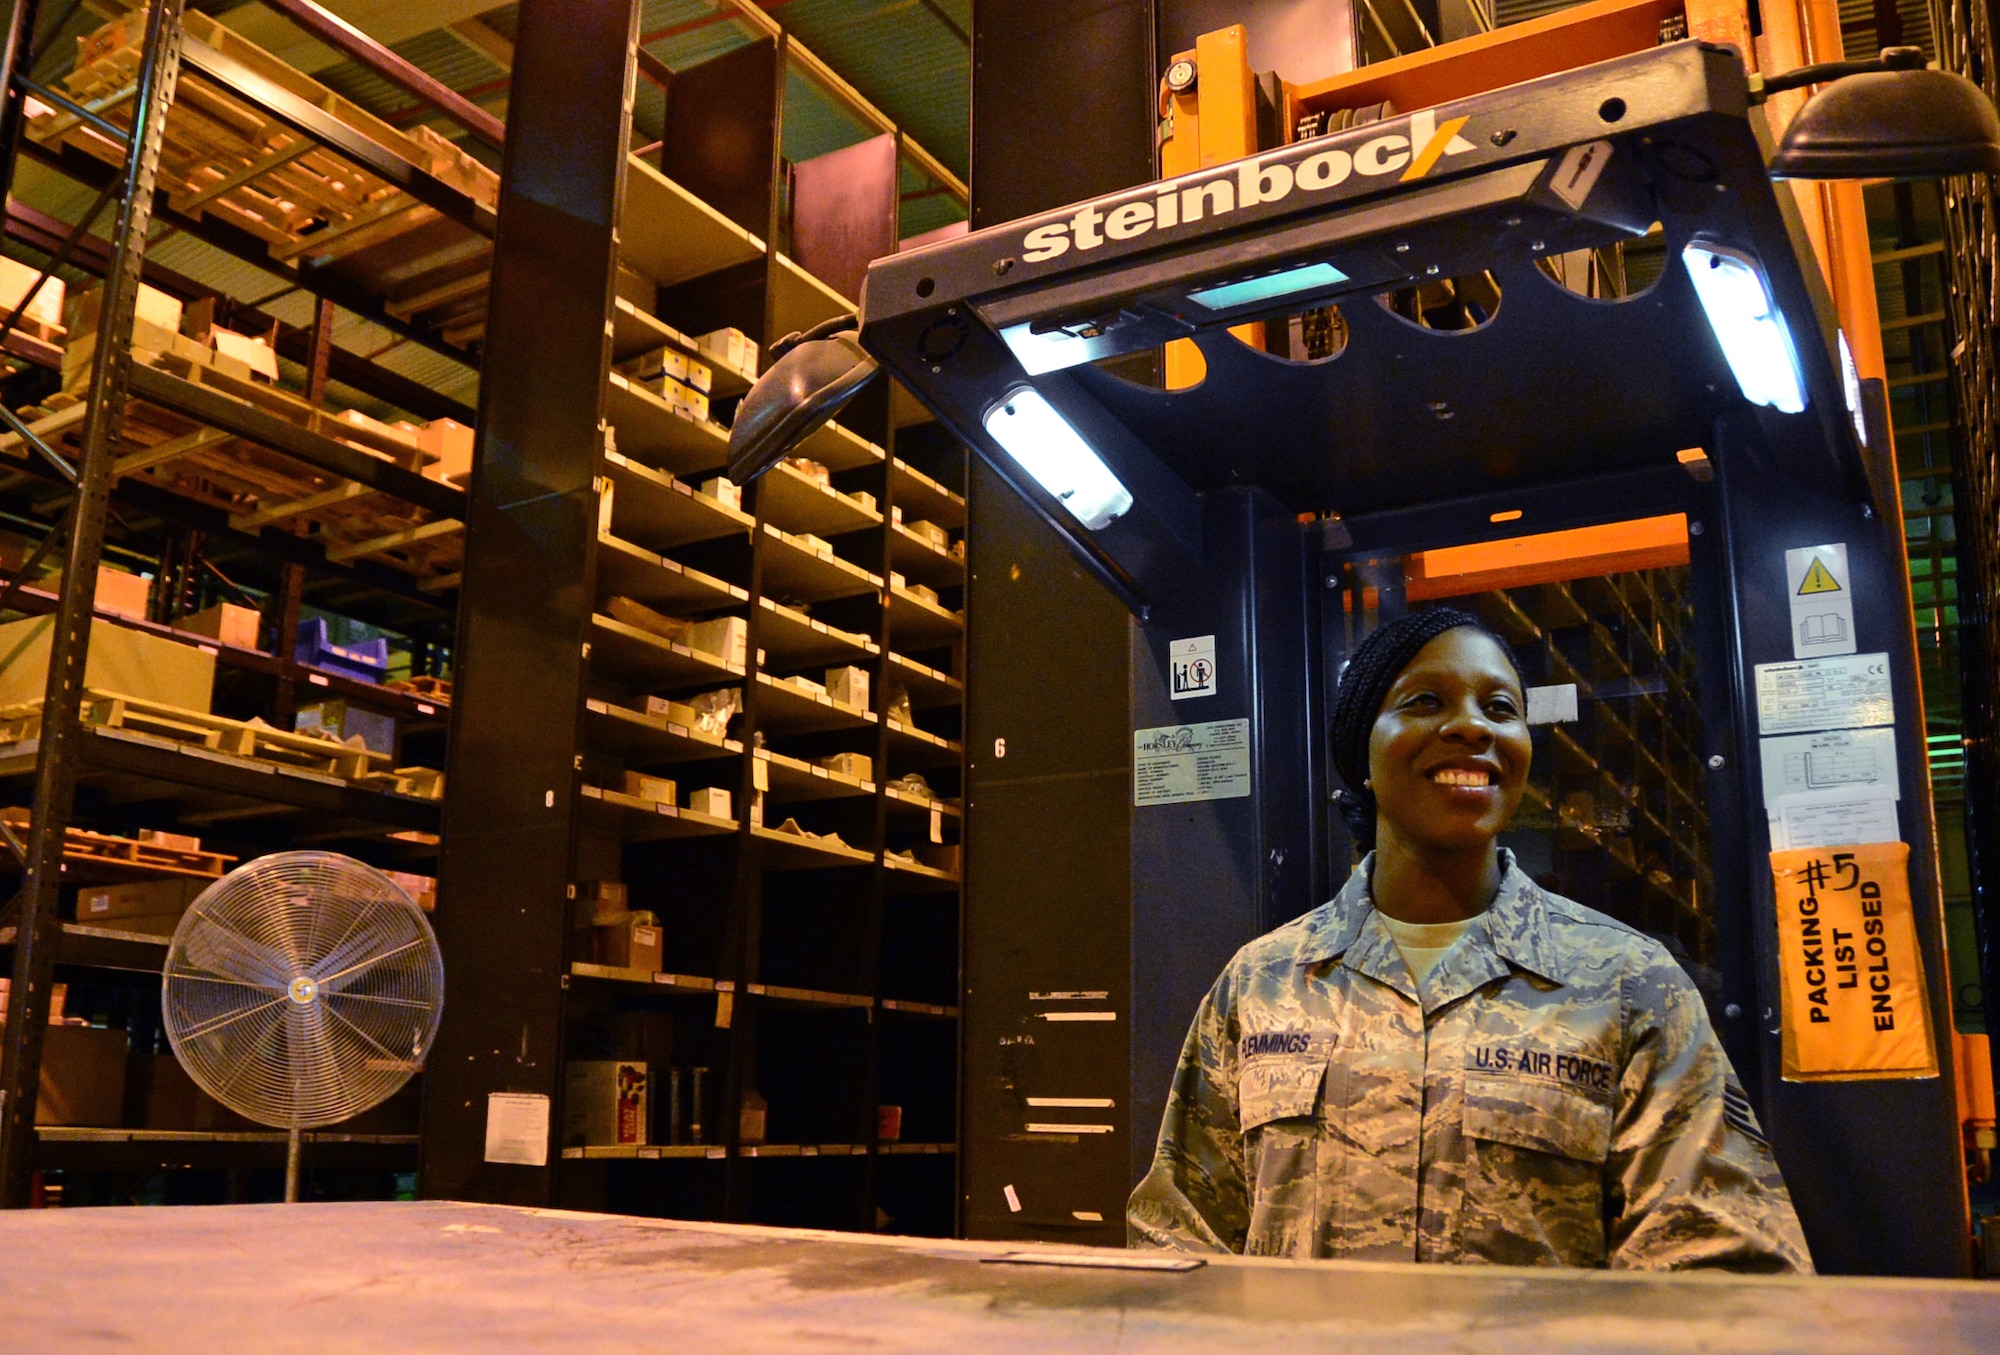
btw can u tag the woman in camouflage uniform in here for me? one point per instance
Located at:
(1448, 1062)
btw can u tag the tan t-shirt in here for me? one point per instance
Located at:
(1423, 944)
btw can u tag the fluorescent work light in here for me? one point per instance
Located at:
(1061, 462)
(1736, 296)
(1231, 295)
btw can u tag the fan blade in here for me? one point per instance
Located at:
(223, 951)
(339, 980)
(214, 1024)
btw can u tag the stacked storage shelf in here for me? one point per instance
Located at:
(221, 719)
(758, 1018)
(1615, 815)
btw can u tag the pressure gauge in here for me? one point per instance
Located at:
(1180, 76)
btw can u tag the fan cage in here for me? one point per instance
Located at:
(302, 989)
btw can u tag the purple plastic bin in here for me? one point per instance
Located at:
(364, 662)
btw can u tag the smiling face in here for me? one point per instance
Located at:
(1448, 754)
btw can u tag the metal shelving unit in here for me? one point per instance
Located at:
(808, 959)
(148, 441)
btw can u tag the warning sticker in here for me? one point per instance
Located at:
(1191, 667)
(1850, 691)
(1178, 763)
(1822, 603)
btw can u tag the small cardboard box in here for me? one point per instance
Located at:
(929, 532)
(949, 858)
(604, 1103)
(252, 353)
(657, 789)
(699, 375)
(710, 800)
(16, 278)
(860, 766)
(732, 348)
(345, 720)
(120, 593)
(176, 842)
(724, 491)
(225, 621)
(83, 1076)
(598, 903)
(674, 712)
(671, 364)
(155, 308)
(726, 637)
(848, 685)
(168, 897)
(631, 942)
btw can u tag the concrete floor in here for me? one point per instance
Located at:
(357, 1279)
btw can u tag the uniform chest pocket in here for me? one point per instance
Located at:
(1545, 1117)
(1279, 1088)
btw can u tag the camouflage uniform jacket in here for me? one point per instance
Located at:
(1553, 1096)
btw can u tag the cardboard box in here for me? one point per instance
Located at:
(685, 399)
(422, 889)
(169, 1099)
(929, 532)
(674, 712)
(671, 364)
(732, 348)
(178, 842)
(345, 720)
(167, 897)
(726, 637)
(657, 789)
(83, 1076)
(812, 470)
(949, 858)
(804, 684)
(633, 941)
(116, 592)
(604, 1103)
(860, 766)
(125, 661)
(725, 492)
(252, 353)
(16, 278)
(699, 375)
(155, 308)
(848, 685)
(710, 800)
(599, 903)
(225, 621)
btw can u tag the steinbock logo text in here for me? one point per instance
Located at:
(1254, 182)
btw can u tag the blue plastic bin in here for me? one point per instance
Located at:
(364, 662)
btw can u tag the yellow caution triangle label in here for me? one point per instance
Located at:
(1819, 579)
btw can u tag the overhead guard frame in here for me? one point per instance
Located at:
(1559, 411)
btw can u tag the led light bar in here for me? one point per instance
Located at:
(1058, 458)
(1737, 299)
(1306, 278)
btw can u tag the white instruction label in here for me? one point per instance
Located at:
(1191, 667)
(1848, 692)
(1178, 763)
(1859, 762)
(1822, 601)
(517, 1128)
(1835, 818)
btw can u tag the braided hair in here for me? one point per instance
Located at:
(1364, 684)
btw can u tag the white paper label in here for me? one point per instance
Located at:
(1833, 819)
(1822, 602)
(1177, 763)
(1848, 692)
(517, 1128)
(1191, 667)
(1858, 762)
(1552, 705)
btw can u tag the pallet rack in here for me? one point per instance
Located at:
(810, 957)
(326, 512)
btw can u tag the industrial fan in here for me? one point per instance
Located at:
(300, 990)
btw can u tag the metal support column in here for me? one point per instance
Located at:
(37, 927)
(525, 605)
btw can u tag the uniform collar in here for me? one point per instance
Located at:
(1515, 930)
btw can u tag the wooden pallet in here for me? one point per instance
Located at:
(252, 740)
(223, 159)
(108, 849)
